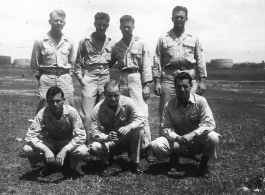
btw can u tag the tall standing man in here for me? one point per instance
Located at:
(93, 56)
(178, 51)
(133, 60)
(52, 60)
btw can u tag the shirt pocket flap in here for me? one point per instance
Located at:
(168, 45)
(189, 44)
(136, 51)
(107, 56)
(65, 51)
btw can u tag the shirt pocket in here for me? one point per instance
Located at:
(194, 116)
(136, 55)
(169, 49)
(177, 120)
(189, 48)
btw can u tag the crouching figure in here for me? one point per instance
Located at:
(187, 126)
(56, 132)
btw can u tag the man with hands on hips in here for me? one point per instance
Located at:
(56, 131)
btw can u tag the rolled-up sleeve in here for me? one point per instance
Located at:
(167, 126)
(200, 60)
(158, 58)
(79, 133)
(79, 60)
(206, 117)
(36, 58)
(147, 66)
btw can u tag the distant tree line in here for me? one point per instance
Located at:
(244, 64)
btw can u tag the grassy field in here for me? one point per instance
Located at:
(238, 109)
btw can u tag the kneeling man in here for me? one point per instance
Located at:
(116, 121)
(56, 130)
(187, 126)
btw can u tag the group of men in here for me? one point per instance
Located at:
(114, 112)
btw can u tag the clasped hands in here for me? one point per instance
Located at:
(113, 136)
(185, 140)
(51, 159)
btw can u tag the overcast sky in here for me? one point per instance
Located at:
(227, 28)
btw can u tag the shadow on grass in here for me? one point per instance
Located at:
(183, 170)
(55, 176)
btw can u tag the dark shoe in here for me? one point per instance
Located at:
(149, 154)
(136, 168)
(45, 171)
(123, 155)
(173, 159)
(204, 171)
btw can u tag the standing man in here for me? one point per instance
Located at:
(178, 51)
(56, 131)
(133, 60)
(117, 121)
(187, 126)
(52, 59)
(93, 56)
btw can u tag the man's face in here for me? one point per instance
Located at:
(57, 22)
(127, 28)
(112, 95)
(101, 26)
(55, 103)
(179, 19)
(183, 88)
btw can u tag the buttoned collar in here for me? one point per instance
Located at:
(49, 37)
(47, 111)
(121, 104)
(192, 100)
(172, 34)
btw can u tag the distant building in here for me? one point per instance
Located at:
(5, 60)
(23, 63)
(222, 63)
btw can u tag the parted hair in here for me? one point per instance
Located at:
(181, 76)
(111, 83)
(52, 91)
(180, 8)
(102, 16)
(127, 18)
(59, 12)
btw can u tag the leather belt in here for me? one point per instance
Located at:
(56, 72)
(179, 67)
(130, 70)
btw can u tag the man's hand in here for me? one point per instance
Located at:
(112, 136)
(201, 87)
(49, 156)
(190, 136)
(125, 130)
(157, 87)
(60, 157)
(146, 92)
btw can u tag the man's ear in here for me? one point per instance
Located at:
(64, 99)
(49, 21)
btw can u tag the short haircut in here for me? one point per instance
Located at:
(127, 18)
(181, 76)
(111, 83)
(59, 12)
(52, 91)
(102, 16)
(180, 8)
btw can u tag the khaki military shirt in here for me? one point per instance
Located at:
(135, 56)
(69, 127)
(184, 53)
(91, 58)
(47, 54)
(104, 119)
(178, 120)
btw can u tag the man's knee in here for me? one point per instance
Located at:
(80, 152)
(95, 147)
(27, 149)
(213, 137)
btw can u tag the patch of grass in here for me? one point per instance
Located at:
(239, 116)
